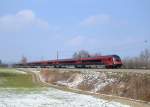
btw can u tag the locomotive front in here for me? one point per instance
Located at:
(117, 63)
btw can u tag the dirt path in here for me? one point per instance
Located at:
(133, 103)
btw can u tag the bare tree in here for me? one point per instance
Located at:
(96, 55)
(128, 62)
(23, 60)
(141, 61)
(145, 58)
(81, 54)
(75, 55)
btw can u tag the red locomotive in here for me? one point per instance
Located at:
(109, 61)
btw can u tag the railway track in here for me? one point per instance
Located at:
(141, 71)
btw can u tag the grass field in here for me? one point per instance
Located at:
(11, 78)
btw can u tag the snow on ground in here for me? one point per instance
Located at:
(75, 81)
(95, 80)
(50, 97)
(19, 71)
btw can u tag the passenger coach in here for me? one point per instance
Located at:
(109, 61)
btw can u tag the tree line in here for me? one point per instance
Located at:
(84, 54)
(142, 61)
(3, 64)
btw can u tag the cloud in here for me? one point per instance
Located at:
(96, 20)
(103, 19)
(22, 20)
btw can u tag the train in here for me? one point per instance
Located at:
(107, 61)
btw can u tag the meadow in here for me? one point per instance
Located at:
(12, 78)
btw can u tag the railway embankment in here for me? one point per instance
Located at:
(132, 85)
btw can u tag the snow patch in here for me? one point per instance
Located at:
(51, 98)
(96, 80)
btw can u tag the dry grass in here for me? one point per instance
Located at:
(135, 86)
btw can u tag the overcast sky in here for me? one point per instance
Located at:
(38, 28)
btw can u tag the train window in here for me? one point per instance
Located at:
(116, 57)
(66, 62)
(91, 61)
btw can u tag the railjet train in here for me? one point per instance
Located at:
(108, 61)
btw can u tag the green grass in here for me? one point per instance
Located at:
(10, 78)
